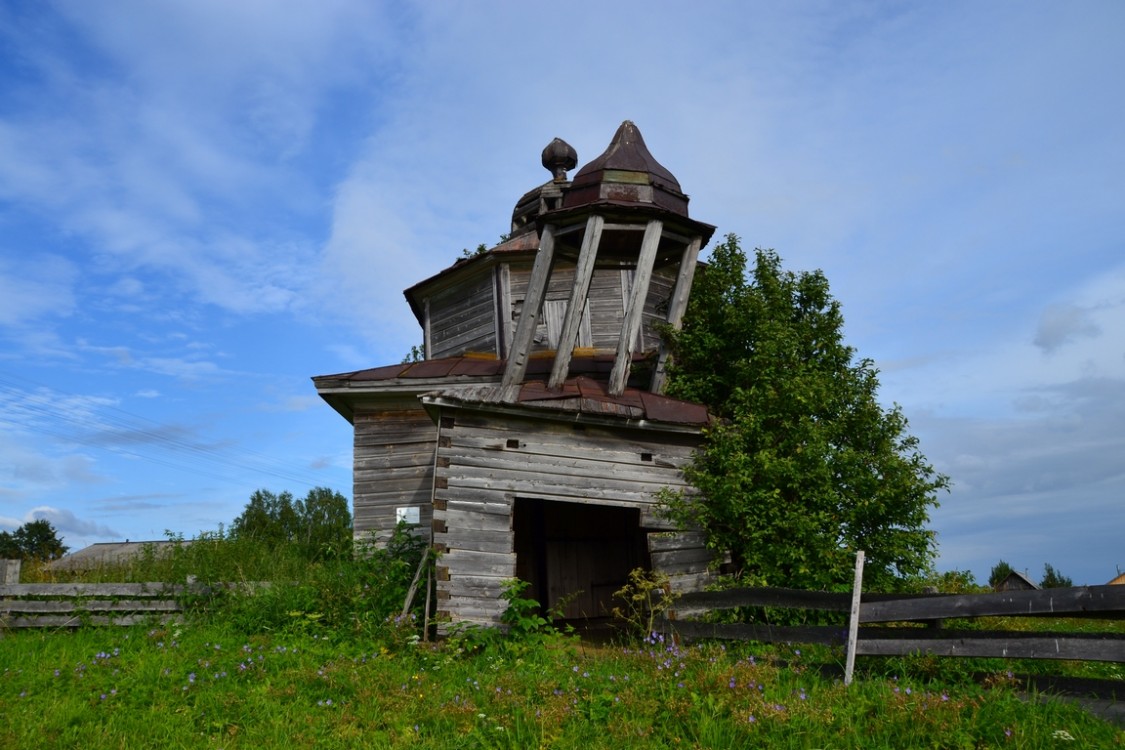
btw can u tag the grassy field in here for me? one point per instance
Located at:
(308, 666)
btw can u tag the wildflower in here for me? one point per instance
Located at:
(751, 719)
(1062, 734)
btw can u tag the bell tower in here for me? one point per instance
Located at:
(623, 209)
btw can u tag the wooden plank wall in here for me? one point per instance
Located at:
(463, 317)
(609, 291)
(484, 464)
(394, 457)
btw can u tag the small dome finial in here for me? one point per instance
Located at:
(558, 157)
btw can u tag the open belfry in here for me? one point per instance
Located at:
(533, 439)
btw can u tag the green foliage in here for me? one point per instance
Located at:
(203, 684)
(522, 615)
(338, 596)
(1000, 571)
(1052, 579)
(417, 353)
(34, 540)
(319, 526)
(481, 249)
(646, 596)
(805, 467)
(525, 623)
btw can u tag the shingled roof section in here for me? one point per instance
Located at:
(471, 379)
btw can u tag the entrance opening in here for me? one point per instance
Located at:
(584, 552)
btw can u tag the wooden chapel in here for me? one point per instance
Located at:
(533, 439)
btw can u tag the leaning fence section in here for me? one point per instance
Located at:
(899, 625)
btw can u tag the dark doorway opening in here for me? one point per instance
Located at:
(577, 550)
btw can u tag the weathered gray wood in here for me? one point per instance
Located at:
(675, 540)
(462, 520)
(583, 273)
(1106, 601)
(633, 313)
(565, 470)
(70, 621)
(473, 563)
(502, 277)
(760, 597)
(1008, 645)
(591, 446)
(10, 571)
(683, 583)
(853, 619)
(676, 308)
(94, 589)
(529, 315)
(675, 559)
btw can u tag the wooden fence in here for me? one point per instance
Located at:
(62, 605)
(42, 605)
(920, 621)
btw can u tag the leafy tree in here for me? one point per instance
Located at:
(1000, 571)
(1052, 579)
(320, 524)
(325, 523)
(35, 540)
(804, 466)
(9, 550)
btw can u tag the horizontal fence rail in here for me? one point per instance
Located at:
(913, 613)
(39, 605)
(61, 605)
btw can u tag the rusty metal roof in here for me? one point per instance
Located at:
(627, 172)
(469, 379)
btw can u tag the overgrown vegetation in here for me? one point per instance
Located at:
(327, 659)
(805, 466)
(322, 651)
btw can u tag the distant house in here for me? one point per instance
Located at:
(106, 554)
(1118, 581)
(1016, 581)
(534, 438)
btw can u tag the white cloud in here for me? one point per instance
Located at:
(66, 522)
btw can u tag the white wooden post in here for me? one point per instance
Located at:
(853, 624)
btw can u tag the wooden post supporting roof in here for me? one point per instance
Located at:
(578, 294)
(635, 309)
(676, 308)
(529, 316)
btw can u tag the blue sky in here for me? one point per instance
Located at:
(203, 204)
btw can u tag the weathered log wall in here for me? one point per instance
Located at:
(394, 460)
(484, 464)
(474, 315)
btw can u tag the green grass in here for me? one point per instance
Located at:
(207, 685)
(320, 659)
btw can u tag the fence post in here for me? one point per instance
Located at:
(853, 623)
(9, 571)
